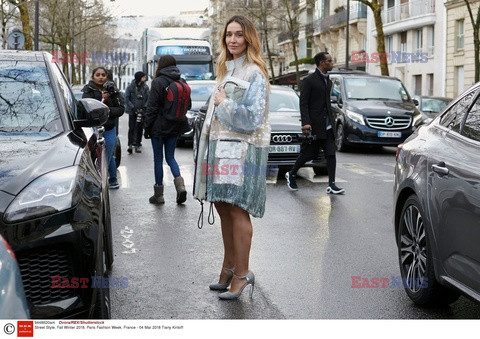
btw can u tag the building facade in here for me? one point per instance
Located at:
(460, 65)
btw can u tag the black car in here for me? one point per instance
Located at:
(54, 202)
(437, 205)
(371, 110)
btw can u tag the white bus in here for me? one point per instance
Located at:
(194, 57)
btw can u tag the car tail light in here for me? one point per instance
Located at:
(7, 246)
(399, 148)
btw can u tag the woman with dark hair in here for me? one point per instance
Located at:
(164, 132)
(111, 97)
(231, 159)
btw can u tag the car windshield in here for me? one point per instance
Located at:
(367, 88)
(27, 104)
(433, 105)
(284, 101)
(201, 92)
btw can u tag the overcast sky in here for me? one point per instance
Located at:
(154, 7)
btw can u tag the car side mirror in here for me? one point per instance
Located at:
(415, 101)
(91, 113)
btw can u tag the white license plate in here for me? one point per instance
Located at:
(383, 134)
(284, 149)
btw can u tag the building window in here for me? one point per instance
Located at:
(418, 40)
(431, 40)
(460, 34)
(418, 84)
(459, 79)
(309, 48)
(430, 84)
(389, 44)
(403, 42)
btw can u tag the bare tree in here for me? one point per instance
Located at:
(376, 7)
(288, 16)
(476, 37)
(261, 11)
(22, 6)
(5, 16)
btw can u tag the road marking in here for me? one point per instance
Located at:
(369, 172)
(127, 243)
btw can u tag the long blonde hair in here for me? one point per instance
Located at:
(254, 48)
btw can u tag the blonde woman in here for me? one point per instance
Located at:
(232, 151)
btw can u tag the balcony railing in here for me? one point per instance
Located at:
(357, 11)
(408, 10)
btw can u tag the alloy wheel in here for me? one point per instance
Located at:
(413, 248)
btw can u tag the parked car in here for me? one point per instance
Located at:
(77, 92)
(371, 110)
(430, 106)
(54, 197)
(201, 91)
(285, 144)
(437, 205)
(13, 303)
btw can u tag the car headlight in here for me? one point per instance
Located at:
(354, 116)
(417, 119)
(47, 194)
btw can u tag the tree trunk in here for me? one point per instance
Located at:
(377, 15)
(27, 32)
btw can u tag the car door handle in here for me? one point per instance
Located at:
(100, 130)
(100, 141)
(440, 168)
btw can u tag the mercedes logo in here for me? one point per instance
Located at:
(282, 139)
(389, 121)
(9, 328)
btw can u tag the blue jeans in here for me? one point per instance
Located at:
(158, 144)
(110, 141)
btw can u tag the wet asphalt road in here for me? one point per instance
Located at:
(305, 249)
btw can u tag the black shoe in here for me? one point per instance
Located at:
(138, 149)
(129, 150)
(333, 189)
(291, 183)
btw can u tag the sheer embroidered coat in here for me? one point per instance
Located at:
(232, 153)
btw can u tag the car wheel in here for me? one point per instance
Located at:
(320, 170)
(102, 298)
(340, 139)
(416, 259)
(118, 152)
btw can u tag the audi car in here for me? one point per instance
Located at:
(371, 110)
(284, 117)
(437, 205)
(54, 202)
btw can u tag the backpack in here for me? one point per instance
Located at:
(177, 100)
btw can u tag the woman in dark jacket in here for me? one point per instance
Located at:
(111, 97)
(164, 132)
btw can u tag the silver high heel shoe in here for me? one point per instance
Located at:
(250, 278)
(222, 287)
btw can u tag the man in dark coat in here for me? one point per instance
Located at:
(317, 120)
(136, 97)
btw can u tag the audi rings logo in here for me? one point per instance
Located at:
(9, 328)
(282, 139)
(389, 121)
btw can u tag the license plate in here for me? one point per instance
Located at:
(383, 134)
(284, 149)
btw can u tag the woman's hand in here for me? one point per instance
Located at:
(220, 96)
(105, 95)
